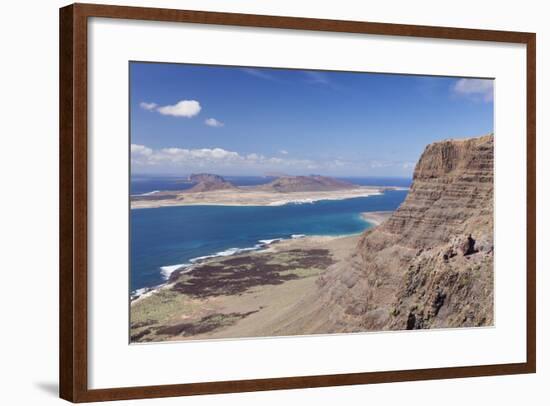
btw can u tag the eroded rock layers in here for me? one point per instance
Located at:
(431, 263)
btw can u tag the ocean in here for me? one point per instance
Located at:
(164, 239)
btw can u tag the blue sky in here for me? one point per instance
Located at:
(253, 121)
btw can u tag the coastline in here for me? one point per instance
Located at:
(376, 217)
(231, 296)
(244, 197)
(296, 241)
(234, 292)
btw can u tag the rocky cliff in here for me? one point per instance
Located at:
(430, 264)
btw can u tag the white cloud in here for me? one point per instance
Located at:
(148, 106)
(220, 160)
(254, 157)
(212, 122)
(140, 154)
(140, 150)
(213, 158)
(475, 88)
(283, 151)
(183, 108)
(182, 155)
(338, 163)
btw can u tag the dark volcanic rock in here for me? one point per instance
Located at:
(235, 275)
(468, 246)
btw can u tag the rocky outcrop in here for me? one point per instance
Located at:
(206, 182)
(431, 263)
(313, 183)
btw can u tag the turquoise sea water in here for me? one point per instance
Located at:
(161, 239)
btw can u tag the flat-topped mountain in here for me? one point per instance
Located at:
(429, 265)
(206, 182)
(312, 183)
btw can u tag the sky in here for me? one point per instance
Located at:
(258, 121)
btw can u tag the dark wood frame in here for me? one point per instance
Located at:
(73, 362)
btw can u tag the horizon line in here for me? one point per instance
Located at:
(270, 176)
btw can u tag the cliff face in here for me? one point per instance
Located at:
(431, 263)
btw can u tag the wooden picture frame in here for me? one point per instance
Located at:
(73, 199)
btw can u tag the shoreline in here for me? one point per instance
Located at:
(172, 272)
(235, 295)
(243, 197)
(272, 246)
(376, 217)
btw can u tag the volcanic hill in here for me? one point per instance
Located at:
(206, 182)
(312, 183)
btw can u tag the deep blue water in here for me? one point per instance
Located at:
(169, 236)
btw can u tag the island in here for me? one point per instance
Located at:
(210, 189)
(428, 264)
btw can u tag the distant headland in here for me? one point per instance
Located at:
(211, 189)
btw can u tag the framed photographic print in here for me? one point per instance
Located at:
(255, 202)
